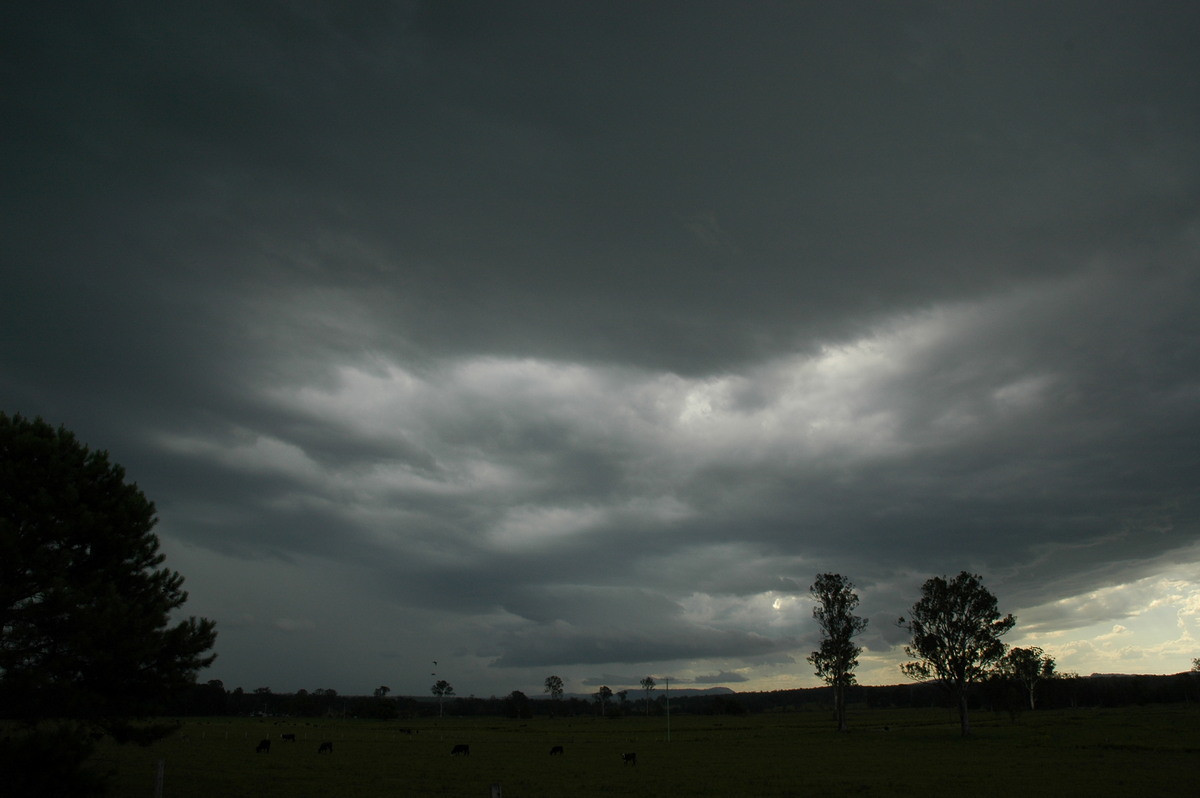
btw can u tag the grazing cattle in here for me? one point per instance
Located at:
(629, 759)
(556, 750)
(264, 747)
(288, 738)
(462, 749)
(325, 748)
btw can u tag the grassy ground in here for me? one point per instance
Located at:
(1139, 751)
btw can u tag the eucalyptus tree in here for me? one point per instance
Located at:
(837, 657)
(648, 685)
(554, 686)
(441, 689)
(1029, 667)
(956, 630)
(603, 696)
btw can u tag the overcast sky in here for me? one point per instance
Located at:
(577, 338)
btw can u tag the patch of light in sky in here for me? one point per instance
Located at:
(1151, 625)
(1022, 393)
(833, 403)
(249, 453)
(533, 527)
(757, 612)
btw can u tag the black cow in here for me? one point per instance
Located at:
(288, 738)
(556, 750)
(264, 747)
(629, 759)
(325, 748)
(462, 749)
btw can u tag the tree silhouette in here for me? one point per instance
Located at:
(86, 635)
(441, 689)
(517, 705)
(1028, 666)
(956, 632)
(554, 686)
(648, 684)
(837, 657)
(602, 697)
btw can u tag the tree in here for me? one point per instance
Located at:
(956, 632)
(1196, 665)
(1073, 682)
(264, 693)
(326, 703)
(86, 634)
(837, 657)
(1028, 666)
(554, 686)
(210, 698)
(382, 708)
(648, 684)
(442, 689)
(517, 705)
(602, 697)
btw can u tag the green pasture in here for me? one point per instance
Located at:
(1119, 752)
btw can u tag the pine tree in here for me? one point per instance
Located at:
(86, 635)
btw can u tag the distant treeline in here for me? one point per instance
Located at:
(213, 699)
(995, 695)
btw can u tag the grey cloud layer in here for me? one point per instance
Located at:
(612, 326)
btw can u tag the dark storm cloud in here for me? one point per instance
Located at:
(589, 333)
(724, 677)
(599, 645)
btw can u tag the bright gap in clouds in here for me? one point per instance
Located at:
(1151, 625)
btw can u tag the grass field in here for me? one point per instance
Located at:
(1120, 752)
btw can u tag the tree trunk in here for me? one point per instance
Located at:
(962, 713)
(839, 705)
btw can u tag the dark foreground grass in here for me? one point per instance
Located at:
(1135, 751)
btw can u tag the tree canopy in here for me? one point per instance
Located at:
(86, 629)
(956, 630)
